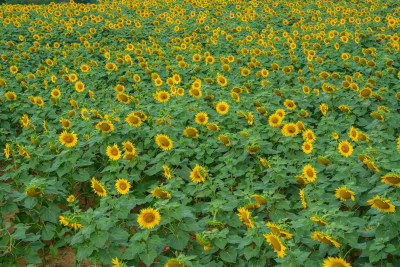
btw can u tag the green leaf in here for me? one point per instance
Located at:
(134, 249)
(83, 251)
(81, 176)
(48, 231)
(178, 241)
(230, 255)
(50, 213)
(148, 258)
(98, 239)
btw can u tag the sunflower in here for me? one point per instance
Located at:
(353, 134)
(391, 179)
(222, 108)
(309, 136)
(105, 126)
(303, 198)
(128, 147)
(278, 231)
(34, 191)
(198, 174)
(224, 139)
(55, 93)
(345, 148)
(222, 80)
(167, 172)
(68, 139)
(381, 204)
(71, 199)
(324, 238)
(201, 118)
(274, 120)
(98, 188)
(195, 92)
(300, 179)
(309, 173)
(289, 104)
(213, 127)
(274, 241)
(113, 152)
(265, 163)
(290, 129)
(148, 218)
(117, 263)
(25, 120)
(164, 142)
(203, 241)
(260, 199)
(11, 96)
(344, 194)
(122, 186)
(160, 193)
(320, 221)
(324, 161)
(324, 108)
(123, 98)
(191, 132)
(281, 113)
(174, 263)
(7, 151)
(80, 87)
(133, 120)
(307, 147)
(163, 96)
(335, 262)
(244, 216)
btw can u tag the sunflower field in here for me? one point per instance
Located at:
(200, 133)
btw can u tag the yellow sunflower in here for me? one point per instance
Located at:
(274, 120)
(122, 186)
(335, 262)
(289, 104)
(68, 139)
(345, 148)
(381, 204)
(98, 188)
(324, 108)
(191, 132)
(320, 221)
(113, 152)
(163, 96)
(167, 172)
(7, 151)
(303, 198)
(277, 230)
(105, 126)
(309, 136)
(174, 263)
(25, 120)
(274, 241)
(391, 179)
(222, 108)
(201, 118)
(307, 147)
(133, 120)
(198, 174)
(244, 216)
(160, 193)
(353, 134)
(309, 173)
(164, 142)
(290, 129)
(79, 87)
(324, 238)
(260, 199)
(212, 127)
(224, 139)
(344, 194)
(148, 218)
